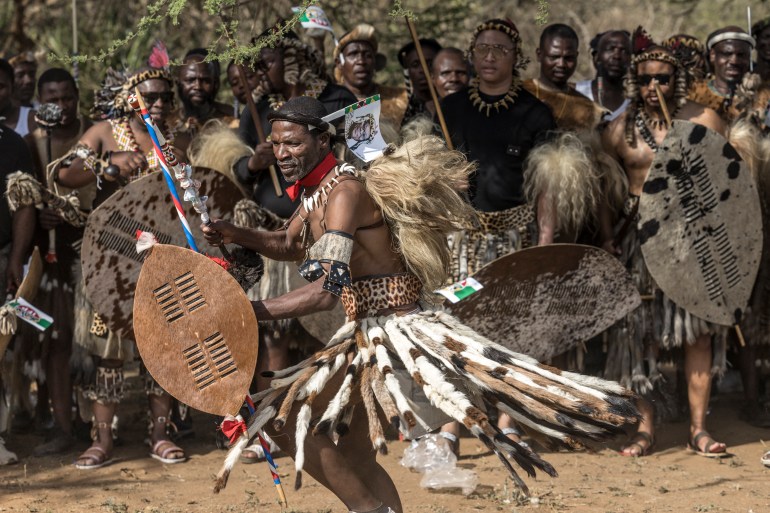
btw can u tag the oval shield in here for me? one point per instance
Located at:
(111, 264)
(195, 329)
(700, 224)
(545, 300)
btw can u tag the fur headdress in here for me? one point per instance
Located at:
(690, 52)
(301, 63)
(111, 99)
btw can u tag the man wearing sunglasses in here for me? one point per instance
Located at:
(655, 78)
(122, 141)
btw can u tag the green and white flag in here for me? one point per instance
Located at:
(30, 314)
(460, 290)
(314, 18)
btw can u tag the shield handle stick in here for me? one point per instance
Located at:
(739, 333)
(432, 89)
(663, 105)
(258, 125)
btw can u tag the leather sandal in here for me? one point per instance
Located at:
(693, 446)
(636, 441)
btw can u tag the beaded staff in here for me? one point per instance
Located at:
(162, 149)
(183, 173)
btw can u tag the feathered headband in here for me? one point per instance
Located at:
(507, 27)
(644, 49)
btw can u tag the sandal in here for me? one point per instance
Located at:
(95, 456)
(162, 449)
(637, 441)
(766, 459)
(693, 446)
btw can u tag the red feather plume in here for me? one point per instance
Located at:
(158, 56)
(641, 40)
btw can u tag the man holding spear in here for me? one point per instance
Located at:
(121, 148)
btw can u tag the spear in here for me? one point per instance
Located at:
(434, 97)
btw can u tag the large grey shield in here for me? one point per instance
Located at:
(545, 300)
(700, 224)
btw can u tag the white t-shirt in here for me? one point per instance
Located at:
(584, 88)
(22, 125)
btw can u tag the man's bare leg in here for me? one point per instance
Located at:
(101, 448)
(697, 369)
(60, 393)
(162, 446)
(273, 355)
(349, 470)
(451, 432)
(508, 427)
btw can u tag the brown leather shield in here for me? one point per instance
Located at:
(195, 329)
(545, 300)
(111, 264)
(700, 224)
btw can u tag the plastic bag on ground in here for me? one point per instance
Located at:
(454, 477)
(428, 453)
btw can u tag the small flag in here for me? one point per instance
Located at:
(460, 290)
(362, 128)
(30, 314)
(314, 18)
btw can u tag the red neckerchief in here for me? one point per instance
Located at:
(314, 177)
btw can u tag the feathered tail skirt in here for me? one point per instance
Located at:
(462, 374)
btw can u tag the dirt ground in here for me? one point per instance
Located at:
(670, 480)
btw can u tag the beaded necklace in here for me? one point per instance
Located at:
(644, 131)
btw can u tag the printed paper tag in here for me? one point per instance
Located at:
(460, 290)
(30, 314)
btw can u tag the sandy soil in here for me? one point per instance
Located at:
(670, 480)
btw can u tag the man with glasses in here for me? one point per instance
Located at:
(355, 63)
(729, 53)
(123, 141)
(655, 78)
(496, 123)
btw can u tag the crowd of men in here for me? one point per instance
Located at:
(497, 119)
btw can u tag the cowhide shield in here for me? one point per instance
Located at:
(195, 329)
(545, 300)
(111, 264)
(27, 290)
(700, 224)
(321, 325)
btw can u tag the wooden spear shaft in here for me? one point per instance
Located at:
(433, 95)
(258, 125)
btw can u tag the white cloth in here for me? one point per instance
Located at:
(22, 126)
(584, 88)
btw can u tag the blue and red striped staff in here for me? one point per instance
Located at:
(156, 136)
(162, 151)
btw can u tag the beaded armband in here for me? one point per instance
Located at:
(333, 248)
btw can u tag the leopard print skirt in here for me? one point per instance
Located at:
(369, 296)
(497, 234)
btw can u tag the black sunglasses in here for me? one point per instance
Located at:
(661, 78)
(151, 98)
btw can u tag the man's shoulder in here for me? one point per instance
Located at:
(335, 93)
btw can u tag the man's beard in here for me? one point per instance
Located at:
(197, 111)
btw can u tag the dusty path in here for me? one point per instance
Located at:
(670, 480)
